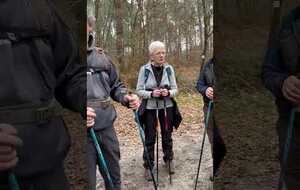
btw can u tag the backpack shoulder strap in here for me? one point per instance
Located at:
(146, 75)
(169, 73)
(104, 83)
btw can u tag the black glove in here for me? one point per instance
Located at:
(9, 141)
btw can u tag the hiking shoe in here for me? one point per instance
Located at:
(214, 175)
(148, 175)
(211, 177)
(170, 166)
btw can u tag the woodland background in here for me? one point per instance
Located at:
(125, 28)
(236, 31)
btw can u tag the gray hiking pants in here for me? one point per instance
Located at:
(109, 145)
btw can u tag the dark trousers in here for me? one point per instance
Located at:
(109, 145)
(151, 132)
(53, 180)
(292, 167)
(218, 147)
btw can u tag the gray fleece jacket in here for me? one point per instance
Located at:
(143, 88)
(103, 83)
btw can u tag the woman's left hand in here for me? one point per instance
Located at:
(165, 92)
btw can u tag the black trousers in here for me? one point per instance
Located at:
(151, 132)
(292, 167)
(218, 147)
(109, 145)
(52, 180)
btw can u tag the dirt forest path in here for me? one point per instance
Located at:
(187, 142)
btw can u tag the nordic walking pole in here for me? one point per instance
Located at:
(287, 147)
(13, 183)
(102, 161)
(166, 129)
(142, 136)
(204, 134)
(157, 139)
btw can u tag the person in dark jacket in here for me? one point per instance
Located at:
(205, 86)
(103, 84)
(39, 63)
(280, 74)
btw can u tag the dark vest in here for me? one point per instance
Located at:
(26, 55)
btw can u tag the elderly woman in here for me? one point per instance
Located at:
(156, 86)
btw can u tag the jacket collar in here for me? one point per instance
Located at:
(148, 66)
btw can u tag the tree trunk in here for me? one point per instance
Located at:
(119, 6)
(97, 16)
(206, 27)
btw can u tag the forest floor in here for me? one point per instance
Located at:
(187, 143)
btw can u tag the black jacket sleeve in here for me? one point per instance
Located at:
(274, 71)
(202, 85)
(70, 88)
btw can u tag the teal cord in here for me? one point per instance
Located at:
(208, 113)
(101, 157)
(13, 183)
(287, 146)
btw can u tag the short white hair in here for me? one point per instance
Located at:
(156, 45)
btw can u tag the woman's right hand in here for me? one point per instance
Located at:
(156, 93)
(90, 117)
